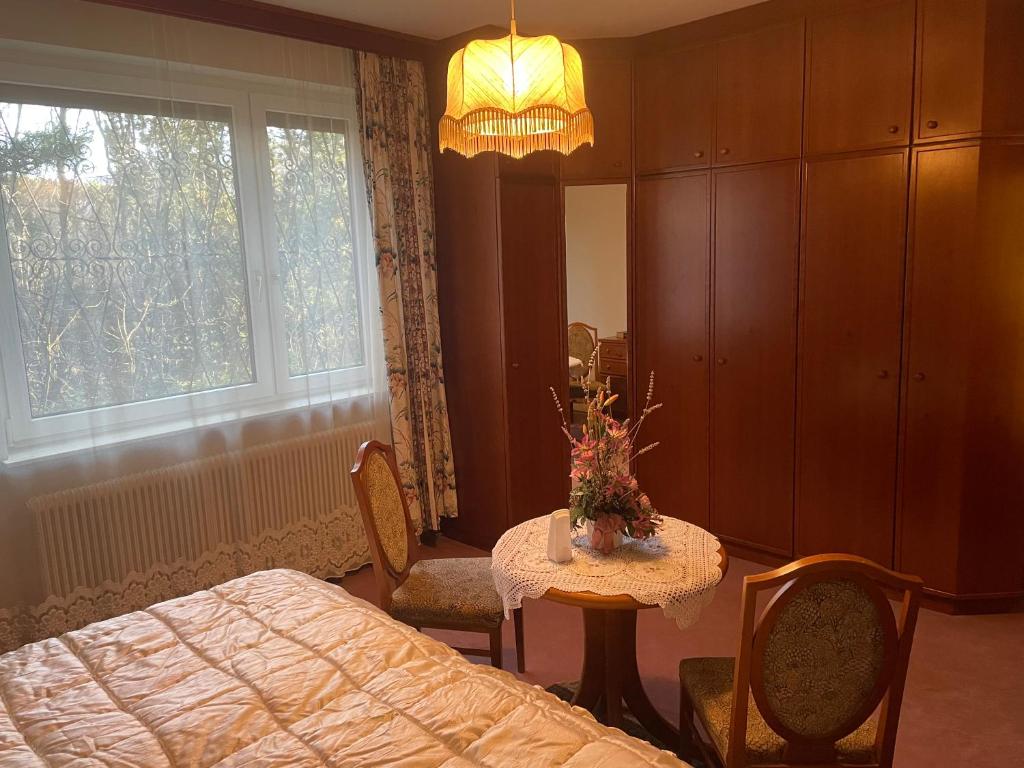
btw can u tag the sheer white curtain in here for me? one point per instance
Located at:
(186, 267)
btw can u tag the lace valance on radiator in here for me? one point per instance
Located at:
(125, 544)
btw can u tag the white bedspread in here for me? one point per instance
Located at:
(280, 669)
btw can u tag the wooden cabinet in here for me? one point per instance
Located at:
(853, 247)
(674, 109)
(756, 236)
(670, 312)
(531, 226)
(962, 487)
(608, 84)
(860, 67)
(759, 95)
(969, 68)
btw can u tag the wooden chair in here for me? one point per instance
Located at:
(811, 671)
(582, 341)
(449, 593)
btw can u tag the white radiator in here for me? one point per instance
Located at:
(104, 532)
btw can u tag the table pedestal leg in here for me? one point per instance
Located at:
(610, 675)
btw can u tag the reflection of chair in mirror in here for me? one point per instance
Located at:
(582, 342)
(825, 654)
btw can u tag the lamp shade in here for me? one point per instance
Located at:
(516, 95)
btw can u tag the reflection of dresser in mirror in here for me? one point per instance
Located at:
(612, 365)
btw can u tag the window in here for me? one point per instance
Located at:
(313, 219)
(170, 259)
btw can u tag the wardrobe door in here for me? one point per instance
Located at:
(860, 69)
(675, 105)
(962, 488)
(535, 359)
(951, 67)
(757, 221)
(670, 330)
(760, 95)
(940, 329)
(850, 314)
(468, 299)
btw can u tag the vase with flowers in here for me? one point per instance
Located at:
(605, 495)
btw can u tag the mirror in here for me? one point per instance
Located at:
(595, 272)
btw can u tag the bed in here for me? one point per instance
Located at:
(281, 669)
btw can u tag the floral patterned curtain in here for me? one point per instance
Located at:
(396, 138)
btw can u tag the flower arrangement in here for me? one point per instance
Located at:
(604, 491)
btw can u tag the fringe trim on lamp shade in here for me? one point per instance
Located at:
(516, 135)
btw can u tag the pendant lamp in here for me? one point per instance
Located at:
(516, 95)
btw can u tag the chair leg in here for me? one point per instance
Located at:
(496, 647)
(517, 620)
(688, 728)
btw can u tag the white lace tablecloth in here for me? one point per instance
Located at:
(677, 569)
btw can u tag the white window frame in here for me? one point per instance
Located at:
(23, 437)
(340, 109)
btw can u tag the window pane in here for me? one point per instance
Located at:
(123, 230)
(309, 170)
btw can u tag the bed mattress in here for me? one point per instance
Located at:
(281, 669)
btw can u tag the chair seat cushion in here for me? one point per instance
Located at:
(708, 684)
(449, 591)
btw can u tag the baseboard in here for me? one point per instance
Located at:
(753, 552)
(965, 605)
(453, 532)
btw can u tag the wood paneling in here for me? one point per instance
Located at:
(853, 247)
(757, 215)
(674, 109)
(962, 487)
(533, 291)
(609, 84)
(289, 22)
(860, 67)
(760, 95)
(670, 330)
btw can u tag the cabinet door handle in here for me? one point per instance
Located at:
(894, 129)
(515, 365)
(721, 361)
(883, 374)
(698, 358)
(723, 151)
(932, 123)
(918, 376)
(699, 153)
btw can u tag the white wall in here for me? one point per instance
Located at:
(595, 256)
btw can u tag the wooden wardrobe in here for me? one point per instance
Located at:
(846, 358)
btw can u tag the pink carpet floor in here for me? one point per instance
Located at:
(964, 701)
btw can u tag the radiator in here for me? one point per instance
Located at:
(103, 532)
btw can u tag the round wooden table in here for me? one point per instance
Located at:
(610, 676)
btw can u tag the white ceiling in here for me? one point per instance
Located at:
(573, 19)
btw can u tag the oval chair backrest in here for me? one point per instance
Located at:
(385, 517)
(823, 656)
(385, 499)
(582, 340)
